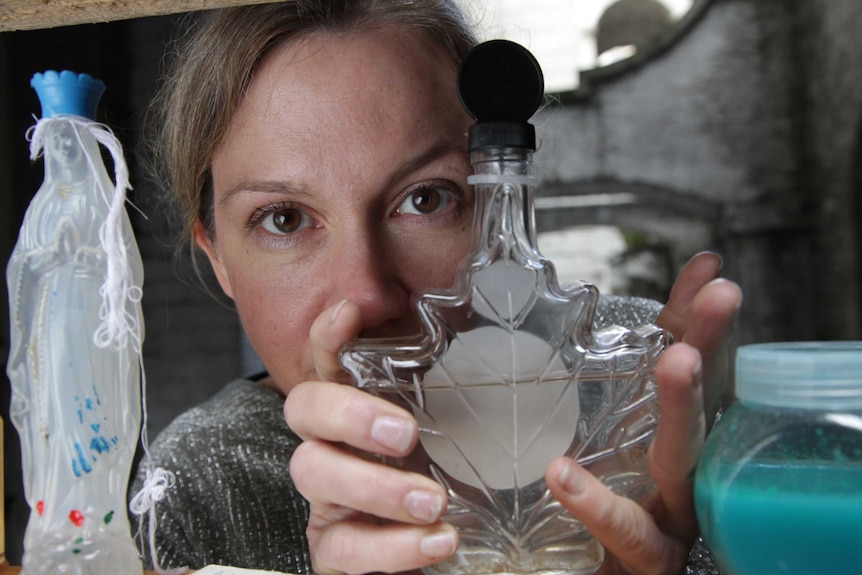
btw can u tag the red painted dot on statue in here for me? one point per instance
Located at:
(76, 517)
(40, 508)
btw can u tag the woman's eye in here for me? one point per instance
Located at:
(282, 221)
(426, 200)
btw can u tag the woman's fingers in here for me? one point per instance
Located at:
(680, 431)
(327, 474)
(711, 314)
(709, 326)
(359, 547)
(651, 536)
(701, 306)
(352, 416)
(628, 532)
(365, 516)
(679, 437)
(349, 496)
(330, 331)
(700, 312)
(700, 270)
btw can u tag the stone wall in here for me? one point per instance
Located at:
(830, 52)
(740, 136)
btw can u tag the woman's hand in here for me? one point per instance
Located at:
(349, 495)
(655, 537)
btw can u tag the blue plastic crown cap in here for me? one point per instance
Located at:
(67, 93)
(803, 375)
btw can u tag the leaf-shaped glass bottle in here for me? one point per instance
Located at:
(508, 371)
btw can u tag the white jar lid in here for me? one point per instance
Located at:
(823, 375)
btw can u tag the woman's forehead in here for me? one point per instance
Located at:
(348, 56)
(363, 79)
(368, 98)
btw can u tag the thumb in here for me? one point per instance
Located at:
(330, 331)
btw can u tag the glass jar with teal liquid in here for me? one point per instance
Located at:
(778, 488)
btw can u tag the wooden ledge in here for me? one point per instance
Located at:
(32, 14)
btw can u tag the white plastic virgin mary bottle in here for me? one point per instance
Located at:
(74, 282)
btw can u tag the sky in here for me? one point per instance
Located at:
(560, 33)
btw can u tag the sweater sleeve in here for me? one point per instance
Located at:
(233, 501)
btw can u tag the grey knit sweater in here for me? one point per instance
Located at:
(234, 502)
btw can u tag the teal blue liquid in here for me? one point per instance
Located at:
(784, 520)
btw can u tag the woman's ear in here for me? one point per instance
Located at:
(204, 242)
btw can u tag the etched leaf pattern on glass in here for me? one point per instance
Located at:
(509, 373)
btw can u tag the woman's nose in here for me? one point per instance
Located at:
(370, 278)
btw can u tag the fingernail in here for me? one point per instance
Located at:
(392, 432)
(423, 505)
(438, 544)
(337, 309)
(570, 479)
(709, 253)
(697, 376)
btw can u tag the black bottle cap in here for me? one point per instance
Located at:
(501, 86)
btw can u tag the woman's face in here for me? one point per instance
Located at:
(342, 176)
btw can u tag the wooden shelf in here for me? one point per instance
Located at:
(32, 14)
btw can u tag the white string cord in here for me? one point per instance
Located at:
(157, 482)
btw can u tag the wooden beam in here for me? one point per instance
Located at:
(32, 14)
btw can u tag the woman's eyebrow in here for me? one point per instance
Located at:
(264, 186)
(426, 157)
(293, 189)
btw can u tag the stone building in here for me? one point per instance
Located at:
(637, 23)
(737, 129)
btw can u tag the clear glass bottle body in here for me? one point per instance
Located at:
(778, 488)
(509, 374)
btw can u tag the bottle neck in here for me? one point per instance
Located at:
(503, 185)
(502, 161)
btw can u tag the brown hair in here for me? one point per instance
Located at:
(213, 64)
